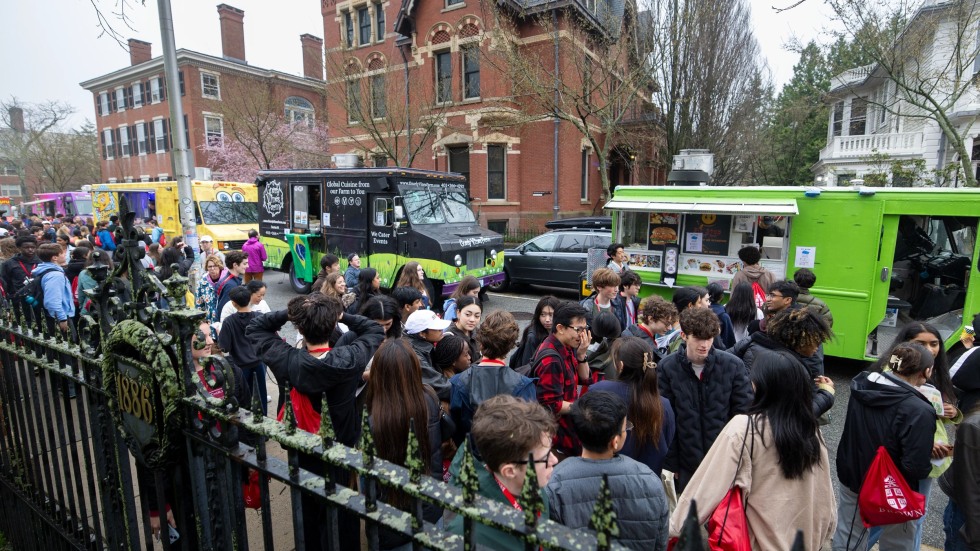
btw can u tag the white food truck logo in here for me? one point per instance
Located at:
(272, 198)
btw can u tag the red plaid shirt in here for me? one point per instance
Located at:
(557, 381)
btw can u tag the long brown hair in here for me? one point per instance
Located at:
(328, 288)
(396, 395)
(410, 277)
(646, 411)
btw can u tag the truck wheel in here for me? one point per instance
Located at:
(299, 285)
(502, 286)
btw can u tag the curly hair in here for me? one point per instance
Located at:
(498, 334)
(659, 309)
(799, 329)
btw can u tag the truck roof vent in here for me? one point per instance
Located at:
(346, 160)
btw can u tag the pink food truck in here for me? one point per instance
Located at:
(60, 204)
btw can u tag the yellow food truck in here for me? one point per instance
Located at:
(226, 211)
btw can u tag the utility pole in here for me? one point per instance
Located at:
(180, 154)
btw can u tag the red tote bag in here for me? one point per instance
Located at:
(885, 497)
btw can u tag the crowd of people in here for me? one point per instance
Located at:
(672, 401)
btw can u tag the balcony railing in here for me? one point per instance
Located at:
(864, 146)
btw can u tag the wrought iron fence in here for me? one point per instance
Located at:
(144, 433)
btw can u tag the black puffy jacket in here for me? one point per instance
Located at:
(701, 407)
(757, 344)
(337, 374)
(744, 349)
(885, 411)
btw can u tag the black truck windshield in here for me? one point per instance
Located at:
(228, 212)
(437, 207)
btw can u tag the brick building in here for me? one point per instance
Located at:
(132, 107)
(439, 57)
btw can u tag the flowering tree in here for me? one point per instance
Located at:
(239, 157)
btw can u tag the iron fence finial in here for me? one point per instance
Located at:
(604, 520)
(530, 499)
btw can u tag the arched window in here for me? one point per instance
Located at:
(299, 109)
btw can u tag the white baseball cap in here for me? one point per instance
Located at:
(207, 238)
(421, 320)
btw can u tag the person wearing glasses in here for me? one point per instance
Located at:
(509, 436)
(638, 496)
(781, 295)
(706, 387)
(560, 365)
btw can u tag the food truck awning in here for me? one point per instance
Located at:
(36, 202)
(776, 207)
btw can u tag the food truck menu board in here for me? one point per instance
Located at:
(663, 229)
(707, 234)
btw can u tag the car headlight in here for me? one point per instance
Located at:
(458, 260)
(493, 253)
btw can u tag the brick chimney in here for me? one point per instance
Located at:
(232, 32)
(312, 56)
(139, 52)
(16, 118)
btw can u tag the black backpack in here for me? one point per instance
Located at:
(32, 293)
(528, 369)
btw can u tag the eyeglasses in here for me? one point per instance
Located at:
(545, 460)
(774, 295)
(582, 329)
(629, 425)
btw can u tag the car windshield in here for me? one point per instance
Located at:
(227, 212)
(430, 207)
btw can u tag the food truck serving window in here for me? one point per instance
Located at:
(709, 241)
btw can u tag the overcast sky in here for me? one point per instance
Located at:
(47, 48)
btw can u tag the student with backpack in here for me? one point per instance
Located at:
(560, 367)
(752, 273)
(16, 271)
(237, 263)
(885, 409)
(55, 291)
(104, 238)
(490, 375)
(239, 347)
(156, 233)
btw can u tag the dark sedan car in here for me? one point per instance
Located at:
(555, 259)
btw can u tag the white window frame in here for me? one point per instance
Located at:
(10, 190)
(156, 90)
(158, 135)
(296, 113)
(124, 141)
(141, 138)
(120, 99)
(137, 98)
(208, 135)
(104, 102)
(216, 85)
(110, 146)
(364, 16)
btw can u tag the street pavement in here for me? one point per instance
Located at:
(522, 304)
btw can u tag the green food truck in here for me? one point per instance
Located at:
(882, 256)
(388, 216)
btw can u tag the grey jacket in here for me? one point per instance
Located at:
(637, 493)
